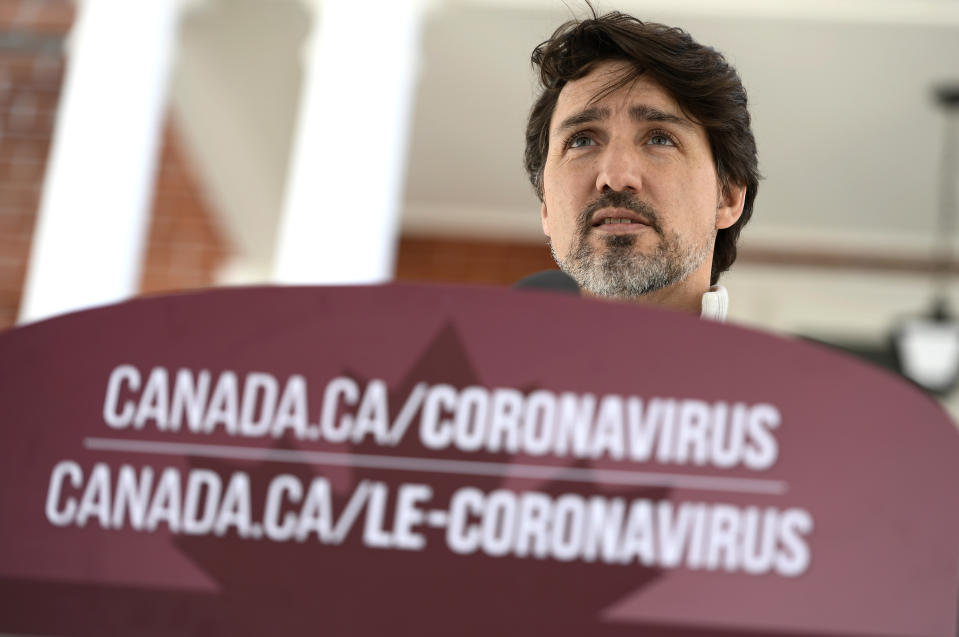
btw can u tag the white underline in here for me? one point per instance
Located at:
(436, 465)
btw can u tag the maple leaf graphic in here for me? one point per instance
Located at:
(356, 589)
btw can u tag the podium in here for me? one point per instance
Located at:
(412, 459)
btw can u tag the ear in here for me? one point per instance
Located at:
(545, 219)
(732, 198)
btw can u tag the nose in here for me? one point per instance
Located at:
(619, 168)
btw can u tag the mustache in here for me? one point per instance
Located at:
(619, 199)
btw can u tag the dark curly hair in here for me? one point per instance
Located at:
(698, 77)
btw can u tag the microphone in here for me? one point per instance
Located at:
(552, 280)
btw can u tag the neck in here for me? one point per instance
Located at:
(684, 296)
(686, 299)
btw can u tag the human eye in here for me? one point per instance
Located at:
(661, 138)
(579, 140)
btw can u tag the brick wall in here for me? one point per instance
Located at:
(186, 245)
(31, 68)
(451, 260)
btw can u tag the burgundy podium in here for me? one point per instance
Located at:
(407, 460)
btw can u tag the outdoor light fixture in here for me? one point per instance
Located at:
(927, 347)
(927, 350)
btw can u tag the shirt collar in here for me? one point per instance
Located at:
(715, 304)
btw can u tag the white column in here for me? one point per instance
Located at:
(340, 219)
(88, 243)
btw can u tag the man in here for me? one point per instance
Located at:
(640, 150)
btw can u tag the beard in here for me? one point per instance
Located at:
(617, 268)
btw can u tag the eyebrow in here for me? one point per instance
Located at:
(638, 113)
(644, 113)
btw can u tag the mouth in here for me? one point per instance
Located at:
(619, 220)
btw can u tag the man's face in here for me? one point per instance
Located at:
(631, 199)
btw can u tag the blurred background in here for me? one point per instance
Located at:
(153, 146)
